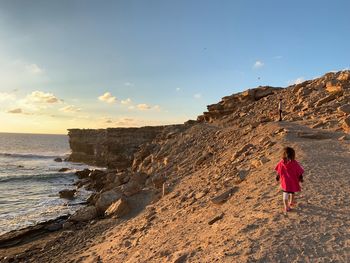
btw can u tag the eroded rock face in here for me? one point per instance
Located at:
(112, 147)
(235, 102)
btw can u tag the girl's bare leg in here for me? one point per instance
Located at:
(292, 199)
(285, 201)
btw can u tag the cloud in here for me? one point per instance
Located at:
(277, 57)
(107, 97)
(4, 96)
(296, 81)
(129, 84)
(197, 96)
(42, 97)
(125, 122)
(109, 121)
(178, 89)
(156, 107)
(34, 69)
(258, 64)
(70, 109)
(144, 106)
(16, 111)
(126, 101)
(118, 122)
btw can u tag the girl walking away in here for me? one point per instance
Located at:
(290, 173)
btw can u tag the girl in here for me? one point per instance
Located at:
(290, 173)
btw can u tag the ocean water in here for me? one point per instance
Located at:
(30, 181)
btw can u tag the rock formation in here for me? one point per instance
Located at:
(112, 147)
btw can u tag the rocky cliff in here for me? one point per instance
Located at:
(112, 147)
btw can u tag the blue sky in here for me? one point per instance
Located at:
(169, 58)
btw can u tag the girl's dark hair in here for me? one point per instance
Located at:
(288, 153)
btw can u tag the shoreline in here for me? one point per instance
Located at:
(28, 234)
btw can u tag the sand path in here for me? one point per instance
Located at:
(318, 229)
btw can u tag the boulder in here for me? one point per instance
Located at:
(84, 214)
(81, 182)
(334, 89)
(54, 227)
(216, 218)
(58, 159)
(106, 199)
(325, 100)
(123, 177)
(263, 92)
(83, 174)
(130, 188)
(118, 208)
(344, 76)
(242, 150)
(346, 123)
(112, 177)
(97, 174)
(224, 196)
(303, 91)
(67, 193)
(259, 162)
(139, 178)
(344, 109)
(158, 180)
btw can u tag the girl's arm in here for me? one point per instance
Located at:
(301, 178)
(277, 177)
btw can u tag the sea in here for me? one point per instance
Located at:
(30, 180)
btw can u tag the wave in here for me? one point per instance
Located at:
(41, 177)
(30, 156)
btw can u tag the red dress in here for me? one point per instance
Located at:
(289, 172)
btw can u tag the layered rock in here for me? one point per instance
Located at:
(235, 102)
(112, 147)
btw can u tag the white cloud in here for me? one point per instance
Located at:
(156, 107)
(17, 110)
(129, 84)
(42, 97)
(296, 81)
(258, 64)
(126, 101)
(143, 106)
(125, 122)
(4, 96)
(197, 96)
(178, 89)
(70, 109)
(107, 97)
(277, 57)
(34, 69)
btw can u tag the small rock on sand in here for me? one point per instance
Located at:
(216, 218)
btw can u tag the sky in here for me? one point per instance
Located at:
(126, 63)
